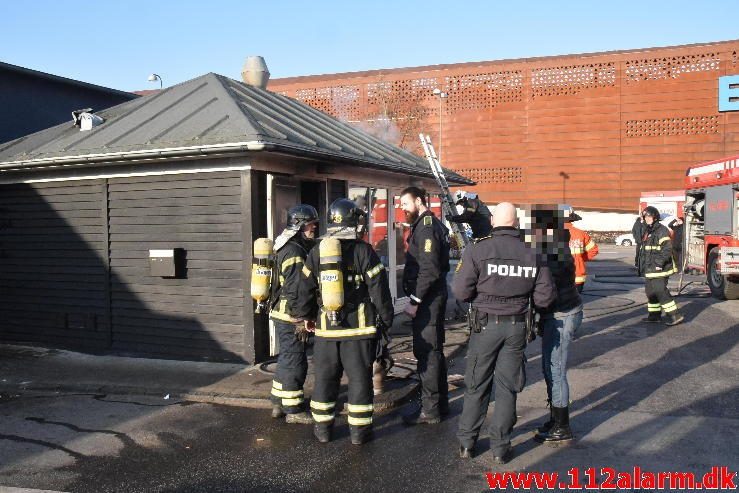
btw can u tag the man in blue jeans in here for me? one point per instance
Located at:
(559, 323)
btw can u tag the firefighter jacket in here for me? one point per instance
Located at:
(655, 253)
(427, 258)
(477, 215)
(366, 294)
(583, 249)
(286, 275)
(499, 273)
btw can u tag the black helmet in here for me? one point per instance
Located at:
(300, 215)
(344, 213)
(651, 211)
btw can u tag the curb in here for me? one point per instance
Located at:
(396, 397)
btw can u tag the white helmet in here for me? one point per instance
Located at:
(460, 195)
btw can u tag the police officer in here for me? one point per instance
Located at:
(498, 275)
(656, 264)
(349, 342)
(291, 247)
(473, 211)
(424, 281)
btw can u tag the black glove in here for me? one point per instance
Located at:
(383, 339)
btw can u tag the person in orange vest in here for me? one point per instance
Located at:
(583, 247)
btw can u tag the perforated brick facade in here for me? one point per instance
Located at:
(593, 130)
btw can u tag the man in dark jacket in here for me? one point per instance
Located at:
(560, 321)
(637, 231)
(473, 211)
(498, 275)
(346, 340)
(291, 247)
(655, 263)
(424, 281)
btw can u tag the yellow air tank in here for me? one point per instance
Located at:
(261, 272)
(332, 279)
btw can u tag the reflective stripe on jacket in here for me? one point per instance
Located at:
(655, 253)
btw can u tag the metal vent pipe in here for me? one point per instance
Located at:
(255, 72)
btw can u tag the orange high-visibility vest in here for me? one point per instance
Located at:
(583, 249)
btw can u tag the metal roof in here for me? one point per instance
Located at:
(64, 80)
(210, 114)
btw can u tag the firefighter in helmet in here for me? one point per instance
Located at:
(582, 246)
(291, 247)
(655, 263)
(473, 211)
(344, 288)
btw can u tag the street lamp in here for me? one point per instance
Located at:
(565, 177)
(154, 77)
(441, 95)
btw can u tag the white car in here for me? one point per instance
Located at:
(625, 240)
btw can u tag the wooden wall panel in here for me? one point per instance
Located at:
(198, 316)
(53, 266)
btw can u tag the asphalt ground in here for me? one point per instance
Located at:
(660, 398)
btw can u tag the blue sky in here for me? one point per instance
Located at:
(118, 44)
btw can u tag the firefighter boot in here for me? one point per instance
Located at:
(322, 432)
(561, 431)
(544, 428)
(653, 317)
(301, 418)
(360, 434)
(277, 411)
(673, 318)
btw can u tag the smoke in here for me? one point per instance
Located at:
(382, 128)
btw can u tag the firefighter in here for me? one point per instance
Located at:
(473, 211)
(582, 247)
(678, 230)
(291, 247)
(498, 276)
(657, 265)
(345, 287)
(424, 281)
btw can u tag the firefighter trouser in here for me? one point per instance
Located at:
(658, 296)
(428, 348)
(330, 360)
(494, 354)
(292, 368)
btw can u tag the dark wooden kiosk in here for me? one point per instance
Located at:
(135, 236)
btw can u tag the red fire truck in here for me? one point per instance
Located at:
(712, 224)
(668, 203)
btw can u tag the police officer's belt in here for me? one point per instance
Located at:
(506, 319)
(488, 298)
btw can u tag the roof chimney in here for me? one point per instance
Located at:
(255, 72)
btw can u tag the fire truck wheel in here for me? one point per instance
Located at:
(721, 287)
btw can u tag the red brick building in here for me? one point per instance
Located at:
(593, 130)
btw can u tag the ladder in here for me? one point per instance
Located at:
(447, 206)
(447, 200)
